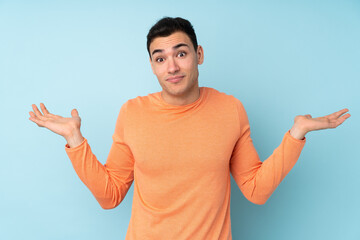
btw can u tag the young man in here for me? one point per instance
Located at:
(180, 146)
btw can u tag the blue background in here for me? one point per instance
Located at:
(280, 58)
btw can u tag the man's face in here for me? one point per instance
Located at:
(174, 61)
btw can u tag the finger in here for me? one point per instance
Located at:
(338, 113)
(308, 116)
(43, 108)
(335, 123)
(42, 118)
(341, 119)
(36, 120)
(36, 110)
(74, 113)
(32, 114)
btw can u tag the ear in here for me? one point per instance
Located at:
(200, 54)
(151, 64)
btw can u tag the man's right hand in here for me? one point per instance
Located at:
(69, 128)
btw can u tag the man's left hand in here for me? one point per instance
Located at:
(305, 123)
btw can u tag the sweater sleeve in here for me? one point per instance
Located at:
(110, 182)
(258, 180)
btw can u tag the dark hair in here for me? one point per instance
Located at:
(167, 26)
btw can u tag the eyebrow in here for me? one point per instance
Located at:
(174, 47)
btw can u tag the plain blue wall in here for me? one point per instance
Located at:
(281, 59)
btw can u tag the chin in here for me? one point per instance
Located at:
(176, 92)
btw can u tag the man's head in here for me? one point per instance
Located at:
(167, 26)
(174, 58)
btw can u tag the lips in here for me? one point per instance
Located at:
(174, 79)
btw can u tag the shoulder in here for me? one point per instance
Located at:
(221, 101)
(137, 107)
(139, 101)
(222, 96)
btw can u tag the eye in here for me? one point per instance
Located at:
(159, 59)
(181, 54)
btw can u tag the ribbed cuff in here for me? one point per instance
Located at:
(295, 139)
(81, 145)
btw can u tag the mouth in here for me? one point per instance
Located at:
(174, 79)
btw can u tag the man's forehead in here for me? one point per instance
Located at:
(170, 41)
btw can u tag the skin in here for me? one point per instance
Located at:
(69, 128)
(172, 57)
(306, 123)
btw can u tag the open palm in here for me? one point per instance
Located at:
(57, 124)
(329, 121)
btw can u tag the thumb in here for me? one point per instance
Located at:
(74, 113)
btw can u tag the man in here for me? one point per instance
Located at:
(180, 146)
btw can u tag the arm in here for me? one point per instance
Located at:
(108, 183)
(258, 180)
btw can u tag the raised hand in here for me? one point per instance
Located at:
(305, 123)
(69, 128)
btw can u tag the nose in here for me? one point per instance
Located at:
(173, 66)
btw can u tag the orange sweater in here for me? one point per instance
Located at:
(181, 158)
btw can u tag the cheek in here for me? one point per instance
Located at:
(158, 71)
(188, 65)
(191, 67)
